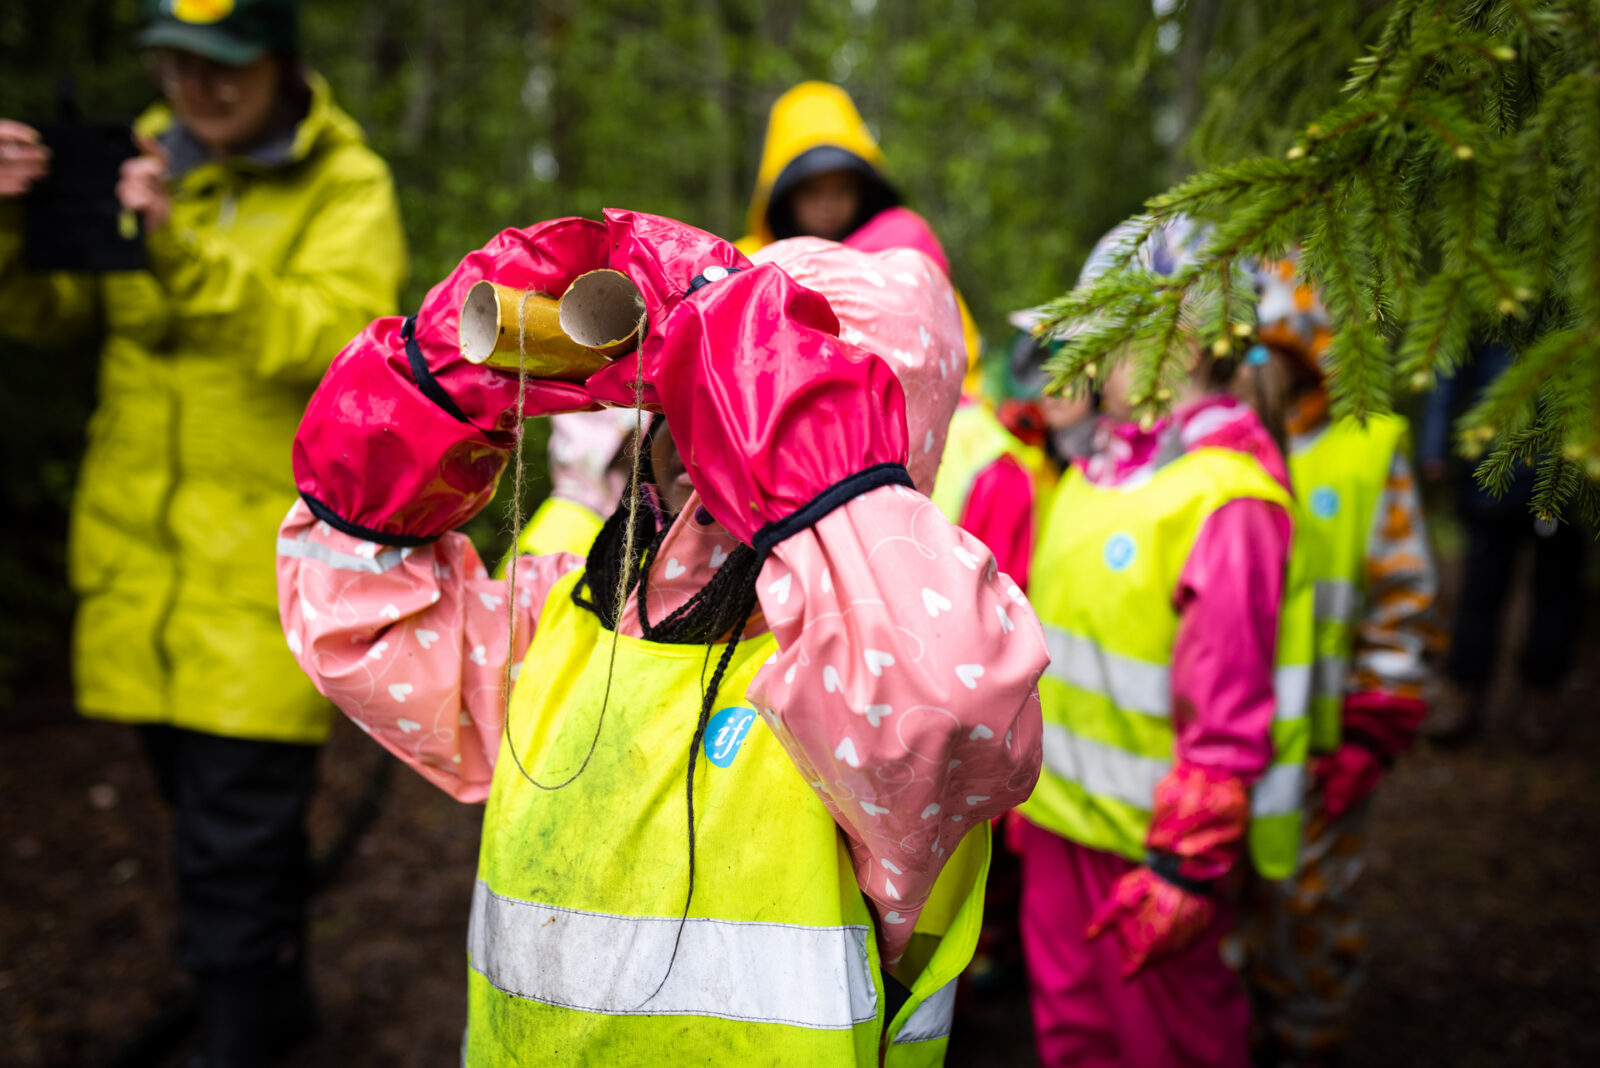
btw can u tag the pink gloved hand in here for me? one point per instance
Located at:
(1378, 727)
(1347, 776)
(404, 439)
(778, 420)
(1152, 917)
(1197, 830)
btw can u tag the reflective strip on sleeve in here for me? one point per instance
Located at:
(932, 1018)
(376, 564)
(1106, 771)
(815, 977)
(1136, 685)
(1334, 601)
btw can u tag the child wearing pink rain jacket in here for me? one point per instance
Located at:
(804, 400)
(1123, 917)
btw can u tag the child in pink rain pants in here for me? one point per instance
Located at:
(1174, 719)
(729, 822)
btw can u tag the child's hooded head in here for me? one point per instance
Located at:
(821, 169)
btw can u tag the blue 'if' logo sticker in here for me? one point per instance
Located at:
(1324, 502)
(726, 732)
(1119, 551)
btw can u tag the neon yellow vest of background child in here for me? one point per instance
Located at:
(580, 889)
(557, 526)
(977, 439)
(1107, 567)
(560, 526)
(1339, 475)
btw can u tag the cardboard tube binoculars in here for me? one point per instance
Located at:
(600, 317)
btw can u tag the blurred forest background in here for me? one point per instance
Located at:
(1023, 129)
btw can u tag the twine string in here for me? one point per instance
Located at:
(515, 517)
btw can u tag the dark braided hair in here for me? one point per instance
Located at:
(718, 611)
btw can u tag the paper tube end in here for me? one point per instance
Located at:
(480, 322)
(604, 312)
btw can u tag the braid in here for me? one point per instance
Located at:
(717, 610)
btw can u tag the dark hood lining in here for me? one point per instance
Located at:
(877, 195)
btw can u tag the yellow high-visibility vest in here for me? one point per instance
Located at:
(1339, 474)
(577, 954)
(1108, 566)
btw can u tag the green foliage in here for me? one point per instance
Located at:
(1449, 195)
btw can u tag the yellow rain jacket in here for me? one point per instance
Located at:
(811, 115)
(270, 262)
(819, 116)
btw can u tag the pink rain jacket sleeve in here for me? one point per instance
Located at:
(1229, 598)
(1223, 658)
(905, 688)
(999, 513)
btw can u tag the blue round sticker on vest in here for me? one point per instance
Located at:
(726, 732)
(1324, 502)
(1119, 551)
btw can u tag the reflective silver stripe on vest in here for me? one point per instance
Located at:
(1106, 771)
(597, 962)
(1291, 692)
(1334, 601)
(1136, 685)
(380, 561)
(1327, 676)
(1140, 686)
(932, 1018)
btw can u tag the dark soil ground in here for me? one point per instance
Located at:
(1483, 894)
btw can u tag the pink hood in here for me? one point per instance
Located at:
(895, 303)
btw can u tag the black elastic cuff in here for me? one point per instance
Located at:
(1165, 865)
(424, 377)
(890, 474)
(1370, 744)
(356, 530)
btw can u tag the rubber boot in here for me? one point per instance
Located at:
(251, 1018)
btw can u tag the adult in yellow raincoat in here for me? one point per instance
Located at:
(272, 236)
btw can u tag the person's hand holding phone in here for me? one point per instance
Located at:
(23, 158)
(142, 187)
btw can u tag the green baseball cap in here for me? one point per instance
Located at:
(231, 32)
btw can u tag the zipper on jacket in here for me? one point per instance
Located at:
(162, 644)
(229, 209)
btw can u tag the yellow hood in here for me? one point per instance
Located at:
(809, 116)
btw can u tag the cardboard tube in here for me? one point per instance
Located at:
(507, 327)
(603, 311)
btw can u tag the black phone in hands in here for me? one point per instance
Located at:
(71, 218)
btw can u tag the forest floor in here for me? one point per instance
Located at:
(1483, 897)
